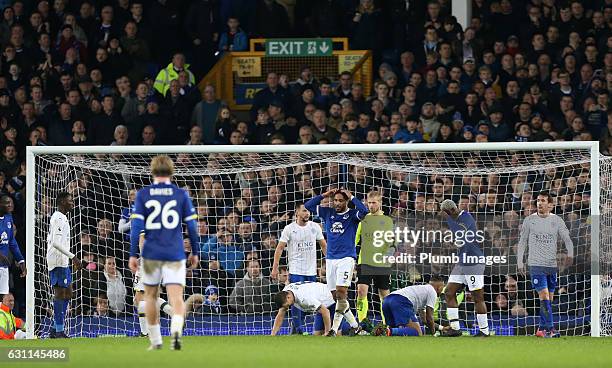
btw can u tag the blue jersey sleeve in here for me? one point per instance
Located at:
(362, 210)
(314, 206)
(14, 247)
(190, 217)
(137, 220)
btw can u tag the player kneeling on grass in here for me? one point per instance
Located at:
(401, 306)
(307, 297)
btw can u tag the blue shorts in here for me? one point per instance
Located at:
(301, 278)
(398, 310)
(320, 326)
(542, 278)
(61, 276)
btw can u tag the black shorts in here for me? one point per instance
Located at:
(380, 275)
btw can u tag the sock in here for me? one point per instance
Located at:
(341, 307)
(382, 315)
(362, 308)
(59, 313)
(164, 306)
(483, 323)
(155, 335)
(543, 319)
(176, 324)
(142, 319)
(350, 318)
(548, 313)
(404, 331)
(453, 317)
(297, 316)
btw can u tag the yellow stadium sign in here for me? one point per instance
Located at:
(346, 63)
(247, 66)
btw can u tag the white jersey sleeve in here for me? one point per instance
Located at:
(285, 234)
(420, 296)
(309, 296)
(58, 241)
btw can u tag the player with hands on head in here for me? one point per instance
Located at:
(341, 228)
(467, 272)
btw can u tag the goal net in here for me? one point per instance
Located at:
(244, 197)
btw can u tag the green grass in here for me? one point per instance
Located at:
(317, 352)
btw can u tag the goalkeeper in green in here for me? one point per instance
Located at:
(370, 266)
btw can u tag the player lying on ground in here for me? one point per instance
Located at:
(340, 226)
(308, 297)
(159, 211)
(301, 238)
(540, 232)
(466, 272)
(400, 310)
(58, 261)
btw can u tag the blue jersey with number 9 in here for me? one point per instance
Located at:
(163, 208)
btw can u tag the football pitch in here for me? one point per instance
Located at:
(312, 351)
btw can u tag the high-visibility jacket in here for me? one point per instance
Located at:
(8, 323)
(167, 75)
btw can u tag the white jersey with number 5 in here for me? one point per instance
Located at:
(309, 296)
(302, 247)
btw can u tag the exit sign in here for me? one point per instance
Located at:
(277, 47)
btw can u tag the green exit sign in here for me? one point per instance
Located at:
(284, 47)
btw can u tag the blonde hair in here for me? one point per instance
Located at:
(162, 166)
(375, 195)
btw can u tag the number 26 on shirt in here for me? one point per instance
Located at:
(169, 217)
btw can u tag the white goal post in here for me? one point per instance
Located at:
(410, 160)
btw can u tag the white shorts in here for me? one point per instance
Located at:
(4, 280)
(339, 272)
(170, 272)
(472, 276)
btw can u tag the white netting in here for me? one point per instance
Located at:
(245, 199)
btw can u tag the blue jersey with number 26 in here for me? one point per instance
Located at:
(163, 208)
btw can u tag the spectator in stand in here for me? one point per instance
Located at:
(234, 39)
(115, 287)
(205, 113)
(252, 294)
(171, 72)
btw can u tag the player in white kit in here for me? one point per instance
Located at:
(300, 238)
(308, 297)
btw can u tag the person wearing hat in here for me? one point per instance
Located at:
(499, 130)
(67, 40)
(214, 274)
(467, 134)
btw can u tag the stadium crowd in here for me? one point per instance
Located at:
(95, 72)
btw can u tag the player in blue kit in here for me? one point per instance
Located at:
(469, 271)
(159, 211)
(8, 243)
(341, 227)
